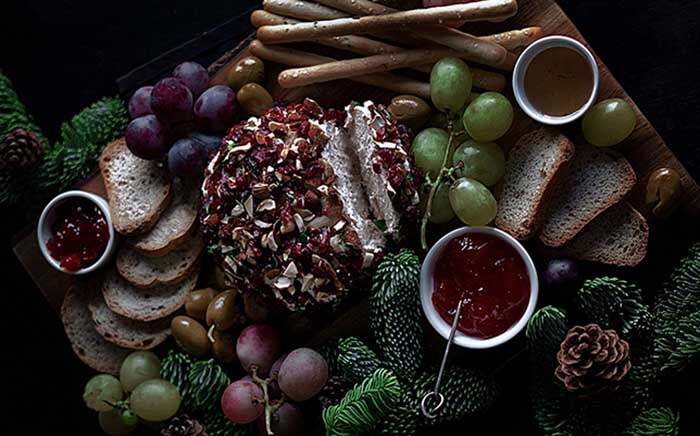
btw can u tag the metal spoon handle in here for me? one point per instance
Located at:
(435, 393)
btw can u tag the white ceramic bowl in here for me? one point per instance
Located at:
(48, 216)
(426, 290)
(523, 63)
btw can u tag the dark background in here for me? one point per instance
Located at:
(63, 55)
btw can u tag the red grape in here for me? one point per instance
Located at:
(288, 420)
(187, 157)
(215, 110)
(242, 402)
(259, 345)
(303, 374)
(194, 75)
(140, 102)
(171, 100)
(146, 137)
(275, 370)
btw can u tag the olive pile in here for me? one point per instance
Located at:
(209, 320)
(245, 78)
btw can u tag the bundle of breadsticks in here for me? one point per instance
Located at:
(386, 39)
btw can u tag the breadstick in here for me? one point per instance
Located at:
(479, 11)
(487, 80)
(296, 58)
(359, 66)
(302, 10)
(513, 39)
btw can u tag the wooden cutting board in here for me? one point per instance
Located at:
(645, 149)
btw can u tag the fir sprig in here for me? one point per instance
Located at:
(611, 303)
(175, 368)
(660, 421)
(356, 360)
(364, 406)
(207, 382)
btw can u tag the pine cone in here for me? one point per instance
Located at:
(183, 425)
(20, 150)
(591, 359)
(335, 389)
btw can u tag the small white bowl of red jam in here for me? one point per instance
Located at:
(494, 275)
(75, 232)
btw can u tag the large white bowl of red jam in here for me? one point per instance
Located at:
(75, 232)
(492, 273)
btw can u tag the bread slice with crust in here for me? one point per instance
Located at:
(145, 304)
(87, 343)
(618, 236)
(595, 180)
(125, 332)
(174, 267)
(138, 190)
(174, 226)
(533, 167)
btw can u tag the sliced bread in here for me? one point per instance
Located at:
(596, 180)
(174, 226)
(125, 332)
(145, 304)
(87, 343)
(533, 166)
(138, 190)
(618, 236)
(174, 267)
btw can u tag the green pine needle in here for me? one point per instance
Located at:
(395, 314)
(660, 421)
(207, 382)
(611, 303)
(356, 361)
(545, 332)
(680, 296)
(677, 345)
(364, 406)
(175, 368)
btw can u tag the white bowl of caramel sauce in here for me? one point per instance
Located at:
(555, 80)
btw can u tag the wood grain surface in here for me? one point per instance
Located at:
(645, 149)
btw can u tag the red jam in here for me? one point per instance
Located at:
(80, 234)
(491, 277)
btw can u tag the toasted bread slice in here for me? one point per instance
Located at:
(125, 332)
(595, 180)
(145, 304)
(138, 190)
(174, 226)
(87, 343)
(618, 236)
(533, 166)
(145, 272)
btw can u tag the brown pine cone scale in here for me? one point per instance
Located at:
(592, 359)
(20, 150)
(183, 425)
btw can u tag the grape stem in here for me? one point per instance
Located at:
(434, 185)
(270, 407)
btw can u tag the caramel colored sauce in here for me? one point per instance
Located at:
(558, 81)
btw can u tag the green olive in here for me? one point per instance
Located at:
(254, 99)
(223, 347)
(410, 110)
(249, 69)
(222, 311)
(197, 302)
(190, 335)
(664, 192)
(255, 309)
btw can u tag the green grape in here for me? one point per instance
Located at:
(138, 367)
(441, 211)
(429, 148)
(472, 202)
(155, 400)
(100, 390)
(484, 162)
(488, 117)
(450, 84)
(609, 122)
(111, 423)
(129, 417)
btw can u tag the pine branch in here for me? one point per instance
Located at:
(545, 332)
(207, 382)
(677, 345)
(660, 421)
(364, 406)
(175, 368)
(680, 296)
(395, 314)
(611, 303)
(356, 361)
